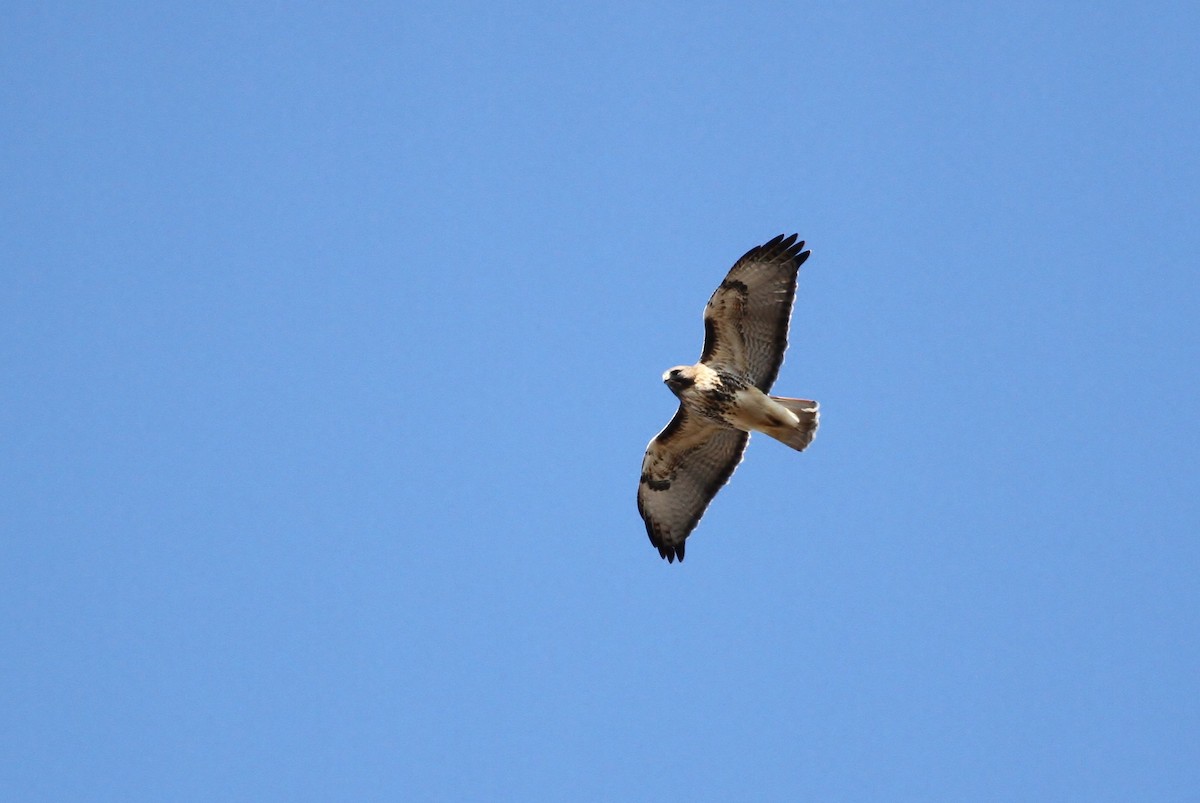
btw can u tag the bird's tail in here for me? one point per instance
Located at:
(805, 429)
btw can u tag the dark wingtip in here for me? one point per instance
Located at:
(780, 246)
(670, 552)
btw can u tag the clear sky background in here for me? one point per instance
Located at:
(331, 339)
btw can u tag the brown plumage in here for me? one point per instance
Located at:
(724, 396)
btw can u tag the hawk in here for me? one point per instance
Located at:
(724, 396)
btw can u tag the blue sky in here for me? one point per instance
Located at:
(332, 339)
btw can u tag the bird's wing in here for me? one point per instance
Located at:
(684, 467)
(746, 320)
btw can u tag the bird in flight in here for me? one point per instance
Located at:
(724, 396)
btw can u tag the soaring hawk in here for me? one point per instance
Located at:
(725, 395)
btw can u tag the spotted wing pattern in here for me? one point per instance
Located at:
(684, 467)
(746, 320)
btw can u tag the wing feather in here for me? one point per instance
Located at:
(746, 320)
(684, 467)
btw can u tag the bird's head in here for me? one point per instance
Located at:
(680, 378)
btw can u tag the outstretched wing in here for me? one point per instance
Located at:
(746, 320)
(684, 467)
